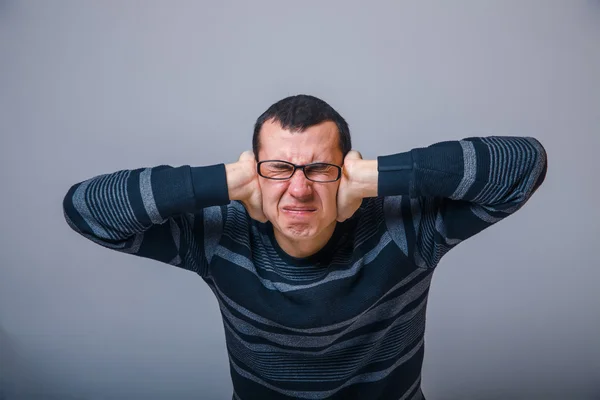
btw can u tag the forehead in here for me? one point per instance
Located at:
(316, 143)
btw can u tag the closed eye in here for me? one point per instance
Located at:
(318, 168)
(280, 166)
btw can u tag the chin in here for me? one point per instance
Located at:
(300, 231)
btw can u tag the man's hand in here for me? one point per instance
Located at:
(242, 183)
(359, 180)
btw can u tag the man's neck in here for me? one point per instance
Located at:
(302, 248)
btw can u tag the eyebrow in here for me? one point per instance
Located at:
(312, 162)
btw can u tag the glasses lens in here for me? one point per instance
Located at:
(322, 172)
(276, 170)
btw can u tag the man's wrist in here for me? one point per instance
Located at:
(364, 177)
(237, 181)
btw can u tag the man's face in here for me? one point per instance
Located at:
(298, 208)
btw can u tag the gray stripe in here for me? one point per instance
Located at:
(415, 212)
(369, 338)
(419, 260)
(539, 166)
(337, 365)
(470, 170)
(175, 261)
(480, 213)
(506, 165)
(105, 205)
(148, 196)
(113, 195)
(127, 210)
(110, 201)
(362, 378)
(135, 247)
(418, 395)
(247, 264)
(439, 250)
(425, 247)
(411, 388)
(221, 297)
(93, 238)
(488, 189)
(395, 223)
(213, 228)
(175, 233)
(96, 205)
(518, 163)
(80, 205)
(269, 260)
(386, 310)
(99, 205)
(440, 227)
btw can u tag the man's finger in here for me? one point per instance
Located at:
(247, 155)
(353, 155)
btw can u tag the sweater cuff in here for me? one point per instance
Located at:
(210, 186)
(395, 174)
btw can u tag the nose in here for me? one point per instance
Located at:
(300, 187)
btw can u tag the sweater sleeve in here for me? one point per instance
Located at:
(158, 213)
(438, 196)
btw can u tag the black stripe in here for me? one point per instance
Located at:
(135, 198)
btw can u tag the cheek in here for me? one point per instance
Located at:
(272, 192)
(328, 196)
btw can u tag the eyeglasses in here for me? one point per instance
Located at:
(282, 170)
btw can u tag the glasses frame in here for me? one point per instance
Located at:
(302, 167)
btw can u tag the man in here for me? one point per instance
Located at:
(320, 261)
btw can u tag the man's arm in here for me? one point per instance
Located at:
(452, 190)
(158, 213)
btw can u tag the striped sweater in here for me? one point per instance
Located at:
(347, 322)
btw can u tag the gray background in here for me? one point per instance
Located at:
(93, 87)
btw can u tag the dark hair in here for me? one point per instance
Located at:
(297, 113)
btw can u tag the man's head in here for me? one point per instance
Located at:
(301, 130)
(296, 113)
